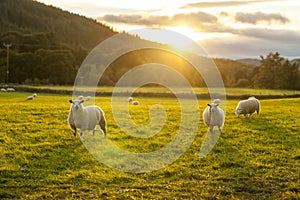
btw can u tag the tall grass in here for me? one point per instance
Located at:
(255, 158)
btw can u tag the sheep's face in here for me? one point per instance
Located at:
(76, 104)
(213, 107)
(238, 112)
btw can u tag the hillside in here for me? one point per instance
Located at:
(249, 61)
(28, 17)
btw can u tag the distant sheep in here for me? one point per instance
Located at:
(85, 118)
(31, 97)
(10, 90)
(248, 107)
(82, 98)
(130, 99)
(3, 90)
(213, 116)
(217, 101)
(135, 103)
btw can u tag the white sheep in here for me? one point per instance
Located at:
(10, 89)
(85, 118)
(3, 90)
(82, 98)
(135, 103)
(31, 97)
(213, 115)
(248, 107)
(217, 101)
(130, 99)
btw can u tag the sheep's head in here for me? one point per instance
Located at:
(213, 107)
(238, 112)
(76, 104)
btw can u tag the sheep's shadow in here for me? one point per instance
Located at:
(209, 142)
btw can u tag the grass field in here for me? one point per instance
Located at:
(198, 90)
(256, 158)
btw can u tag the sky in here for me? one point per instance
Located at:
(224, 28)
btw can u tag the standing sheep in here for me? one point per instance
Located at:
(85, 118)
(213, 116)
(248, 106)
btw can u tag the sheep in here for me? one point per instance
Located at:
(213, 115)
(82, 97)
(130, 99)
(217, 101)
(135, 103)
(3, 90)
(248, 106)
(88, 98)
(10, 89)
(31, 97)
(85, 118)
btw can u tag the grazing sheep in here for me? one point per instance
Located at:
(135, 103)
(10, 90)
(31, 97)
(82, 98)
(3, 90)
(217, 101)
(213, 116)
(248, 107)
(130, 99)
(85, 118)
(88, 98)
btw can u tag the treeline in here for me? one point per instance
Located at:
(48, 44)
(38, 58)
(275, 72)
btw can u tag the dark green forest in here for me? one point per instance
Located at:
(49, 45)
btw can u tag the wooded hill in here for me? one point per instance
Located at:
(49, 45)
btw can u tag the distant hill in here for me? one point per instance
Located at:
(297, 60)
(249, 61)
(28, 17)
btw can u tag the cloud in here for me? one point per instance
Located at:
(284, 36)
(253, 43)
(255, 18)
(245, 47)
(214, 4)
(136, 19)
(190, 19)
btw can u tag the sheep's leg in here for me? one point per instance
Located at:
(74, 134)
(220, 129)
(211, 129)
(93, 132)
(81, 133)
(102, 124)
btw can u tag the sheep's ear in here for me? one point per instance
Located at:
(71, 101)
(217, 104)
(81, 101)
(208, 104)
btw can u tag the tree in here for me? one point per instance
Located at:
(275, 72)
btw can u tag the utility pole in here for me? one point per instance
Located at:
(7, 60)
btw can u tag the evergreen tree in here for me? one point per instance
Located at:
(275, 72)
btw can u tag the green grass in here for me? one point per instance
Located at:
(256, 158)
(198, 90)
